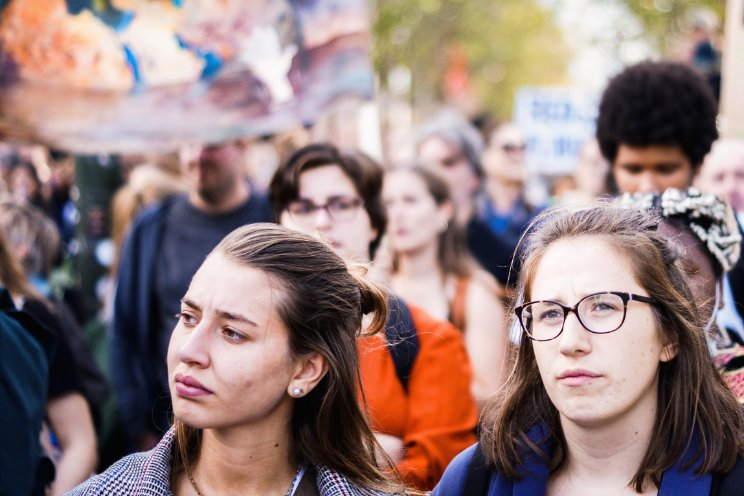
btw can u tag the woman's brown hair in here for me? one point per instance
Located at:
(694, 405)
(322, 304)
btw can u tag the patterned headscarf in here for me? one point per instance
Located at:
(709, 217)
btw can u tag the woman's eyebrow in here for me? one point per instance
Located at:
(222, 313)
(236, 317)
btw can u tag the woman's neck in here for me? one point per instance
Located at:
(607, 456)
(503, 195)
(420, 263)
(253, 462)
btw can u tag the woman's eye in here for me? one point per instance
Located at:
(550, 316)
(186, 318)
(233, 335)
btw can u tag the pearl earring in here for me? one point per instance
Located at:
(297, 391)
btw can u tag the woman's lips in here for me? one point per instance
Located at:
(189, 387)
(577, 377)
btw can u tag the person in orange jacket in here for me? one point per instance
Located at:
(416, 386)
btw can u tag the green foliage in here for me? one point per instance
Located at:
(664, 21)
(509, 43)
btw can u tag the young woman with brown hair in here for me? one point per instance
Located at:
(613, 390)
(433, 268)
(416, 375)
(263, 374)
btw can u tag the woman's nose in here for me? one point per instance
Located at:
(323, 219)
(574, 339)
(194, 348)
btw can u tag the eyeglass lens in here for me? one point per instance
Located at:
(339, 209)
(599, 313)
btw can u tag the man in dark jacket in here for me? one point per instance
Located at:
(166, 245)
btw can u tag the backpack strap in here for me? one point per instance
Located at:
(402, 338)
(478, 474)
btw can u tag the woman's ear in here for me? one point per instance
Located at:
(309, 370)
(448, 211)
(669, 351)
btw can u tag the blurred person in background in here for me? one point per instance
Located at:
(58, 192)
(147, 183)
(68, 438)
(723, 172)
(508, 211)
(36, 243)
(705, 227)
(433, 269)
(25, 186)
(415, 376)
(164, 247)
(8, 157)
(590, 177)
(24, 355)
(452, 147)
(656, 123)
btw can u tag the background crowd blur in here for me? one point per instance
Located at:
(465, 174)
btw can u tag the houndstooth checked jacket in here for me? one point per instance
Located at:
(148, 474)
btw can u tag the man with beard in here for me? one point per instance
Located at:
(167, 244)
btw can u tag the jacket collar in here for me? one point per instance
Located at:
(675, 480)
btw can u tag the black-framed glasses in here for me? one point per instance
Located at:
(599, 313)
(339, 209)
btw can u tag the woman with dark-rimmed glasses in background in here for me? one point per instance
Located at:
(612, 390)
(416, 375)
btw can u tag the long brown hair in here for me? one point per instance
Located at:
(322, 306)
(693, 400)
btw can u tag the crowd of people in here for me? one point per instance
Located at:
(352, 327)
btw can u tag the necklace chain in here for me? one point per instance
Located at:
(199, 493)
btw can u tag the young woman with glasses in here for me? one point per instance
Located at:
(422, 416)
(262, 369)
(612, 390)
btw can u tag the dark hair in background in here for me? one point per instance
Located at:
(658, 103)
(453, 254)
(693, 400)
(364, 172)
(321, 304)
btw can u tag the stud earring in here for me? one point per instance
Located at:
(297, 391)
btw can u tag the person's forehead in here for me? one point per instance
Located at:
(507, 134)
(651, 155)
(435, 147)
(723, 162)
(325, 180)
